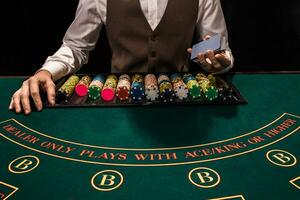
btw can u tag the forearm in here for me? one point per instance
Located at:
(80, 38)
(211, 21)
(62, 63)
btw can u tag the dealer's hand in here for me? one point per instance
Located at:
(31, 88)
(212, 62)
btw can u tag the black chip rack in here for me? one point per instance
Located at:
(76, 101)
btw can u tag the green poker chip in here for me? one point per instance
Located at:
(94, 92)
(195, 91)
(211, 93)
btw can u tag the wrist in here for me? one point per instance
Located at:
(43, 72)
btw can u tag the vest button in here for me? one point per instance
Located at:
(153, 54)
(153, 38)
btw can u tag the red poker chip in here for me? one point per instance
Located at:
(81, 90)
(108, 94)
(123, 93)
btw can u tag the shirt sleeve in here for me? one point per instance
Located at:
(211, 21)
(80, 38)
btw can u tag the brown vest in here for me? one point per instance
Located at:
(136, 48)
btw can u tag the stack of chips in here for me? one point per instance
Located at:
(123, 87)
(180, 89)
(165, 88)
(108, 92)
(209, 90)
(82, 87)
(96, 87)
(67, 89)
(225, 91)
(192, 85)
(212, 79)
(151, 87)
(137, 88)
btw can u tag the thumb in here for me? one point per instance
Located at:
(206, 37)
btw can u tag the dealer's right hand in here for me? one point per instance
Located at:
(20, 101)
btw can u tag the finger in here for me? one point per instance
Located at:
(35, 93)
(223, 59)
(189, 50)
(11, 105)
(215, 63)
(50, 89)
(25, 98)
(16, 101)
(206, 37)
(203, 62)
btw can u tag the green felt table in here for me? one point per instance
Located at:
(179, 152)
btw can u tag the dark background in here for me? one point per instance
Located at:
(263, 35)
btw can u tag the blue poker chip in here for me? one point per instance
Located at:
(137, 91)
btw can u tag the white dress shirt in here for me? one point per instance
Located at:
(81, 37)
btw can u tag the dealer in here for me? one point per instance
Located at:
(144, 35)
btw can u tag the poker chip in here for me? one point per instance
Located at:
(82, 86)
(123, 87)
(151, 87)
(180, 89)
(165, 88)
(211, 93)
(67, 89)
(95, 87)
(192, 85)
(212, 79)
(160, 88)
(108, 92)
(225, 91)
(225, 94)
(207, 85)
(123, 93)
(94, 92)
(137, 89)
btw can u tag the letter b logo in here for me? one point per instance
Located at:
(23, 164)
(107, 180)
(204, 177)
(281, 158)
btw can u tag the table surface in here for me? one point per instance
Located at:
(185, 152)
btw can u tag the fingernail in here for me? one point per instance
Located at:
(52, 102)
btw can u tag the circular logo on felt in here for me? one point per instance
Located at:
(107, 180)
(23, 164)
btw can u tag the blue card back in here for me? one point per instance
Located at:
(213, 43)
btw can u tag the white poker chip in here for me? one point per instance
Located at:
(152, 95)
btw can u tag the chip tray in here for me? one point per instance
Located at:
(85, 101)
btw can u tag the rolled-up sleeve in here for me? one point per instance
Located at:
(80, 38)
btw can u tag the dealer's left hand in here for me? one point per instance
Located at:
(212, 62)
